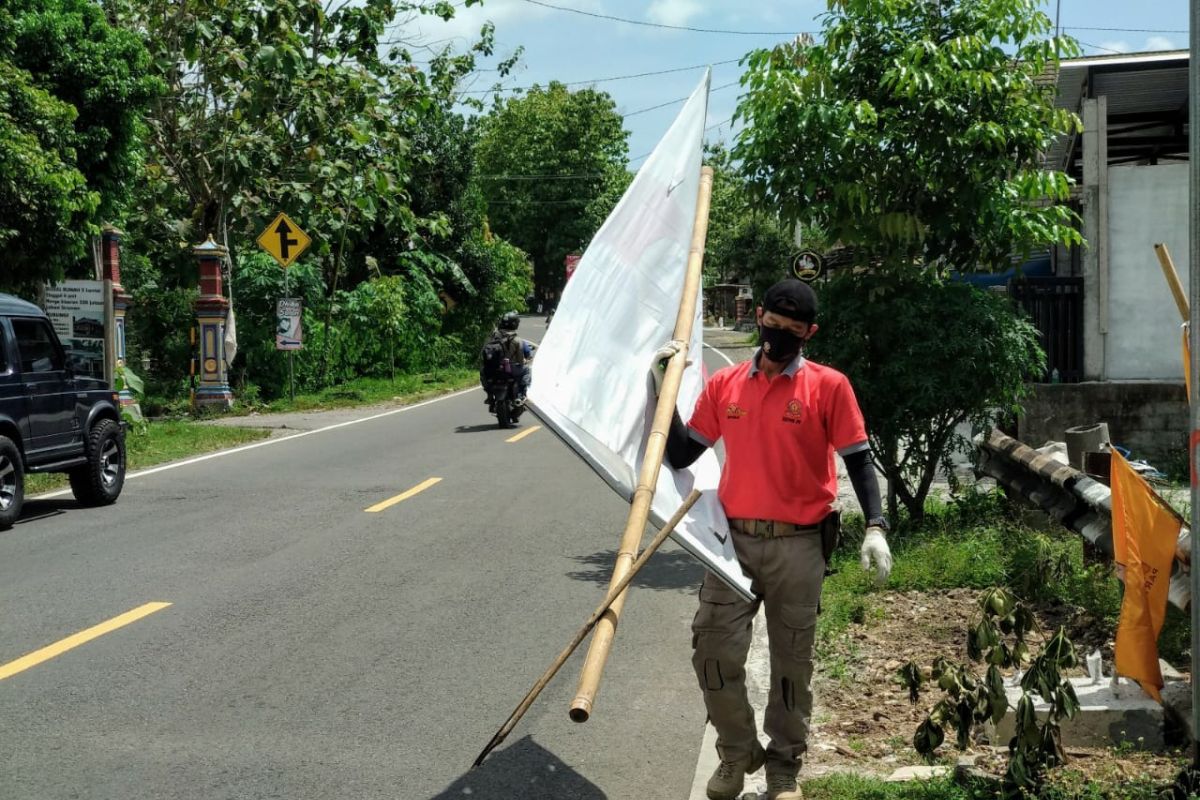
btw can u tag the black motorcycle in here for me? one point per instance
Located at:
(507, 403)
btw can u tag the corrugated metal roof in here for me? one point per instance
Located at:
(1133, 83)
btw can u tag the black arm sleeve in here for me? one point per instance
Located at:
(866, 485)
(682, 449)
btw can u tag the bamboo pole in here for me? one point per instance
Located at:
(656, 444)
(1172, 276)
(613, 593)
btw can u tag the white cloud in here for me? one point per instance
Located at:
(510, 19)
(673, 12)
(1159, 43)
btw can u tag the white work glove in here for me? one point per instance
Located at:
(658, 367)
(875, 548)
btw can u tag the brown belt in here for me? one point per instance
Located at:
(770, 529)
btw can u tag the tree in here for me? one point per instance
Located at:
(72, 90)
(316, 108)
(543, 158)
(924, 356)
(744, 241)
(914, 132)
(915, 129)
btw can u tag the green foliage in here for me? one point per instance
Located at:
(320, 111)
(44, 200)
(923, 356)
(758, 248)
(997, 638)
(157, 327)
(552, 132)
(915, 130)
(257, 285)
(72, 89)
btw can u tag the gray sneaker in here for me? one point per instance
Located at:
(730, 776)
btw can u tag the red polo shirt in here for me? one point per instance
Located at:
(780, 437)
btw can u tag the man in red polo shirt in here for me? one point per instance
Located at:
(782, 418)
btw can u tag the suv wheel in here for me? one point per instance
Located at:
(99, 482)
(12, 483)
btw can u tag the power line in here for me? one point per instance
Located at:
(531, 177)
(613, 78)
(1120, 30)
(677, 100)
(1099, 47)
(645, 24)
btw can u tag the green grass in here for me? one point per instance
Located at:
(857, 787)
(367, 391)
(1073, 787)
(162, 442)
(976, 543)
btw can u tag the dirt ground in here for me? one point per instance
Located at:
(863, 721)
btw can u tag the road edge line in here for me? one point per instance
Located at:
(265, 443)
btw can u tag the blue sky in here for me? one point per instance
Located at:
(570, 47)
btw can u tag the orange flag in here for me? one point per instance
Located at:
(1144, 534)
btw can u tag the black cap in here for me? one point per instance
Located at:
(792, 298)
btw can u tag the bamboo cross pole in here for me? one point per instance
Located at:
(613, 593)
(1172, 276)
(656, 444)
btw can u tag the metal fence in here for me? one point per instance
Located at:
(1055, 305)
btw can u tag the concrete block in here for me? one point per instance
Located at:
(1103, 720)
(917, 774)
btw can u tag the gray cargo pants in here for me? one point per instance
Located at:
(786, 574)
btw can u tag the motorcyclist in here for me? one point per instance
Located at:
(518, 351)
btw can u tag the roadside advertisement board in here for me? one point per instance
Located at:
(76, 310)
(289, 314)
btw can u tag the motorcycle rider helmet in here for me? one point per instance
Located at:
(510, 321)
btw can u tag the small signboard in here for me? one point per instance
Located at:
(76, 310)
(807, 266)
(571, 262)
(284, 240)
(289, 333)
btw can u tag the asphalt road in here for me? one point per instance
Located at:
(313, 649)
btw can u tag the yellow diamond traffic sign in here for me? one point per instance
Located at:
(284, 240)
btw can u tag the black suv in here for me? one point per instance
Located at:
(52, 420)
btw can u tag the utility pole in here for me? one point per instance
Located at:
(1193, 327)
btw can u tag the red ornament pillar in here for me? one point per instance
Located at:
(211, 308)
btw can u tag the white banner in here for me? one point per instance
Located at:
(591, 381)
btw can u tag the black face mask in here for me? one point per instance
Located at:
(779, 344)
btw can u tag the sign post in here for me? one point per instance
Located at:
(1193, 331)
(289, 333)
(284, 240)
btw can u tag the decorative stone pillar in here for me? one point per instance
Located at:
(211, 308)
(110, 269)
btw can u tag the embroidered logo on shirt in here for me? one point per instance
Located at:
(794, 413)
(734, 411)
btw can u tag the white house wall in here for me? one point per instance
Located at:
(1146, 205)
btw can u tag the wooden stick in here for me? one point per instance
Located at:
(613, 593)
(1172, 276)
(656, 444)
